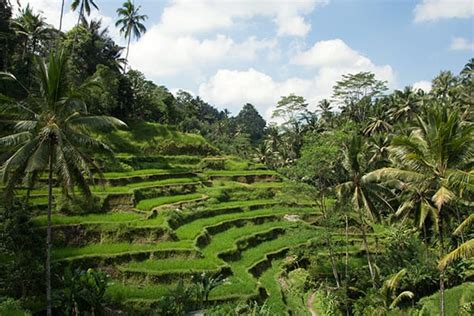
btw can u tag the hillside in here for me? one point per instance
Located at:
(161, 225)
(147, 139)
(223, 158)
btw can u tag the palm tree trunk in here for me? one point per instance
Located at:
(126, 55)
(329, 241)
(81, 12)
(48, 231)
(61, 17)
(346, 231)
(366, 246)
(441, 273)
(346, 261)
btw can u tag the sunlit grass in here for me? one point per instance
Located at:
(191, 230)
(42, 220)
(116, 248)
(144, 172)
(269, 280)
(149, 204)
(239, 172)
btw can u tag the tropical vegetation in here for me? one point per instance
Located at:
(120, 197)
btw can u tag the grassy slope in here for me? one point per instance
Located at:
(454, 297)
(269, 280)
(143, 138)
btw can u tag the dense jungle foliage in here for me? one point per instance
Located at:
(118, 196)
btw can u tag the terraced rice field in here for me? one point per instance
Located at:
(186, 221)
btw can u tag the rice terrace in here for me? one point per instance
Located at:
(236, 157)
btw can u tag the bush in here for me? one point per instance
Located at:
(80, 205)
(213, 163)
(84, 291)
(11, 307)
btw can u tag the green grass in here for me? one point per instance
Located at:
(191, 230)
(149, 204)
(42, 220)
(227, 240)
(116, 248)
(165, 266)
(129, 188)
(242, 282)
(39, 196)
(143, 172)
(220, 242)
(269, 280)
(143, 138)
(231, 173)
(118, 291)
(463, 293)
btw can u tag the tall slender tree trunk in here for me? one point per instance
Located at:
(329, 241)
(346, 263)
(366, 246)
(126, 55)
(81, 12)
(61, 16)
(48, 230)
(346, 232)
(442, 311)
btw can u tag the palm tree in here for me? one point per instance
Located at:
(465, 250)
(84, 7)
(130, 22)
(53, 136)
(387, 298)
(32, 28)
(430, 165)
(363, 194)
(405, 104)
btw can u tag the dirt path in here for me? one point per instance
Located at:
(309, 304)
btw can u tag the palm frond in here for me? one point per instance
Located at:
(15, 139)
(465, 224)
(392, 283)
(97, 122)
(442, 196)
(400, 297)
(465, 250)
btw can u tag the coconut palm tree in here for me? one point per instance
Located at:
(404, 104)
(53, 136)
(84, 8)
(363, 194)
(434, 165)
(130, 22)
(387, 298)
(465, 250)
(32, 29)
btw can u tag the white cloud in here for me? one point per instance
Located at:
(423, 85)
(231, 88)
(294, 25)
(433, 10)
(460, 43)
(331, 53)
(198, 16)
(51, 11)
(184, 41)
(160, 54)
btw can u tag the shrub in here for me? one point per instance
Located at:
(11, 307)
(212, 163)
(79, 205)
(84, 291)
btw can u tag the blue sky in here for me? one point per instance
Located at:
(235, 51)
